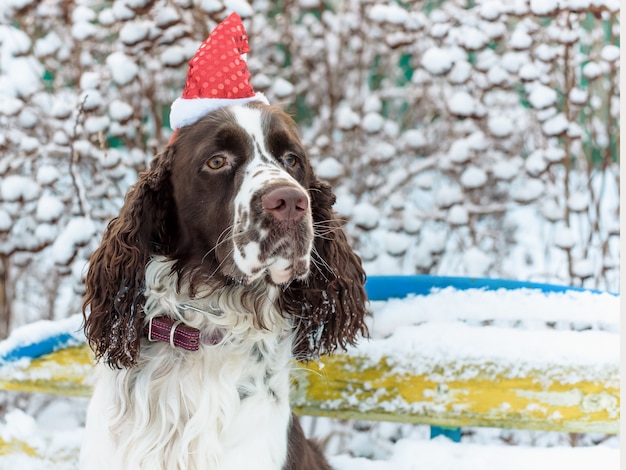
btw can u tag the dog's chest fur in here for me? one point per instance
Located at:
(240, 386)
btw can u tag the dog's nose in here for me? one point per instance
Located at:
(285, 203)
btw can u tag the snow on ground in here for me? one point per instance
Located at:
(441, 454)
(417, 330)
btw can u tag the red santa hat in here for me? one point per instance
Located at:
(218, 75)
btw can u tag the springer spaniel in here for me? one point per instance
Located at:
(227, 245)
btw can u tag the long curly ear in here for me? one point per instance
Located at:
(115, 279)
(330, 305)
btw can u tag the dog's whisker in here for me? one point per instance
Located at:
(220, 242)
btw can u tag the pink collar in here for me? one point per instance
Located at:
(179, 335)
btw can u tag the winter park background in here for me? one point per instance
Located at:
(471, 138)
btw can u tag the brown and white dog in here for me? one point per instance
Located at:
(228, 245)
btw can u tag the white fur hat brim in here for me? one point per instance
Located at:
(185, 112)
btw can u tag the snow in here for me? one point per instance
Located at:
(329, 168)
(123, 68)
(16, 187)
(122, 12)
(25, 75)
(578, 96)
(461, 104)
(91, 100)
(592, 70)
(520, 40)
(473, 177)
(96, 124)
(10, 106)
(578, 202)
(528, 72)
(49, 209)
(441, 454)
(372, 122)
(120, 111)
(41, 330)
(448, 195)
(500, 126)
(473, 39)
(388, 13)
(134, 32)
(541, 97)
(527, 190)
(282, 88)
(416, 334)
(583, 268)
(415, 138)
(346, 118)
(173, 56)
(458, 215)
(543, 7)
(491, 10)
(211, 6)
(505, 170)
(83, 13)
(610, 53)
(460, 73)
(5, 221)
(166, 17)
(437, 61)
(77, 232)
(47, 174)
(365, 215)
(83, 30)
(556, 125)
(241, 7)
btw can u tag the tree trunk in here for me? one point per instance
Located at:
(5, 305)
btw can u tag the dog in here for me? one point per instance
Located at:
(225, 265)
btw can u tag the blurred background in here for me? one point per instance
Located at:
(462, 137)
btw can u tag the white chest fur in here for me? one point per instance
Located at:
(224, 407)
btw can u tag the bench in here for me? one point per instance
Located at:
(447, 352)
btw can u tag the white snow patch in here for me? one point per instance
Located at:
(120, 111)
(49, 209)
(365, 215)
(282, 88)
(474, 177)
(123, 69)
(241, 7)
(555, 125)
(541, 97)
(47, 174)
(329, 168)
(610, 53)
(77, 232)
(346, 118)
(462, 104)
(17, 187)
(134, 31)
(437, 61)
(372, 122)
(5, 221)
(543, 7)
(500, 126)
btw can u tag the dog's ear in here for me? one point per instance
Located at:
(113, 303)
(329, 306)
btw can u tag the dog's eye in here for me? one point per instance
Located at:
(216, 162)
(290, 160)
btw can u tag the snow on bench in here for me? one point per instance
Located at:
(481, 353)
